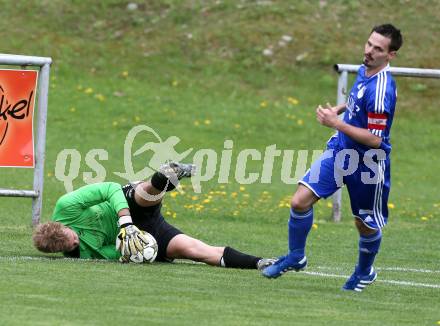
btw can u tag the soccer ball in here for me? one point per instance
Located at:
(149, 252)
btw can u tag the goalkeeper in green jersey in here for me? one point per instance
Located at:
(86, 222)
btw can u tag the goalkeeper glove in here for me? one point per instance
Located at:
(124, 259)
(131, 238)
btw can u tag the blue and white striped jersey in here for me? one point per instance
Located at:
(370, 105)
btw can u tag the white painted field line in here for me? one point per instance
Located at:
(404, 283)
(24, 258)
(411, 270)
(390, 269)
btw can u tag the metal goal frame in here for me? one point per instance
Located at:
(40, 144)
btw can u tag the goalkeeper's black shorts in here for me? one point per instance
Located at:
(151, 220)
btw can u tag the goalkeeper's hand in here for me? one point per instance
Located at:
(131, 238)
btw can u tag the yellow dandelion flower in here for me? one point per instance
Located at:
(100, 97)
(234, 194)
(88, 90)
(174, 194)
(168, 213)
(207, 122)
(235, 213)
(300, 122)
(49, 174)
(265, 192)
(329, 205)
(206, 201)
(72, 109)
(137, 119)
(175, 83)
(292, 100)
(124, 74)
(196, 123)
(424, 218)
(174, 215)
(242, 188)
(314, 226)
(194, 198)
(391, 205)
(263, 104)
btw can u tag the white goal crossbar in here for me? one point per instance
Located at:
(343, 70)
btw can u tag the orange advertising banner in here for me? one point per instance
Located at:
(17, 99)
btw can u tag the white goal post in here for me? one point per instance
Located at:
(43, 89)
(343, 70)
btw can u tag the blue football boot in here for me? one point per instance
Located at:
(285, 264)
(358, 282)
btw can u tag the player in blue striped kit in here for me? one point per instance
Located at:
(357, 156)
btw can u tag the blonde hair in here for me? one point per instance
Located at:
(50, 237)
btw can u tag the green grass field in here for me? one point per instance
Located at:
(196, 70)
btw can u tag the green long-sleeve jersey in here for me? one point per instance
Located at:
(92, 212)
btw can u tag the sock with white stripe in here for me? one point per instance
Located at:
(300, 224)
(368, 249)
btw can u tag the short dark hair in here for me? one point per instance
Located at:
(392, 33)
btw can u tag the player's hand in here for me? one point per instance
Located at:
(131, 238)
(335, 109)
(327, 116)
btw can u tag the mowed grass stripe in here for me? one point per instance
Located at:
(308, 272)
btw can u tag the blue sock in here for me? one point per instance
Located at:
(368, 248)
(300, 224)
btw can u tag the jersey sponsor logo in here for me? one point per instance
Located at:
(377, 121)
(352, 108)
(361, 91)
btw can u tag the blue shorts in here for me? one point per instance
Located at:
(367, 180)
